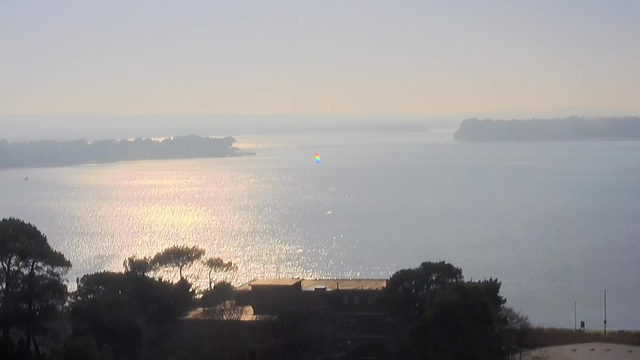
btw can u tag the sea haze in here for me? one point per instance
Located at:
(556, 222)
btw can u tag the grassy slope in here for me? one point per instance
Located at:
(543, 337)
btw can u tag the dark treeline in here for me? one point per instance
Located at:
(55, 153)
(571, 128)
(111, 315)
(135, 314)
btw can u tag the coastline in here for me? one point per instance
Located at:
(230, 155)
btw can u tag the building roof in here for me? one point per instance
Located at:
(328, 284)
(344, 284)
(269, 282)
(275, 282)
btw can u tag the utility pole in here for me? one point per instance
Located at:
(575, 315)
(605, 311)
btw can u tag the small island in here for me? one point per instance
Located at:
(46, 153)
(560, 129)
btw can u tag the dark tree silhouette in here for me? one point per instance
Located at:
(463, 322)
(217, 265)
(45, 267)
(221, 292)
(178, 257)
(42, 300)
(446, 317)
(31, 274)
(516, 329)
(410, 290)
(139, 266)
(12, 232)
(128, 314)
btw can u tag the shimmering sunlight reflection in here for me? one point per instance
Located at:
(150, 206)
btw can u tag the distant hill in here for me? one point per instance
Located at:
(56, 153)
(65, 127)
(571, 128)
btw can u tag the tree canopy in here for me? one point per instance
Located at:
(463, 322)
(410, 290)
(217, 265)
(31, 274)
(447, 317)
(178, 256)
(140, 266)
(127, 314)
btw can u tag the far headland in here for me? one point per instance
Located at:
(573, 128)
(47, 153)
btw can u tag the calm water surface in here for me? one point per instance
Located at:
(555, 222)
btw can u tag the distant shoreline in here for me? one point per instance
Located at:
(47, 154)
(563, 129)
(243, 154)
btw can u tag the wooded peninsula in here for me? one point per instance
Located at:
(46, 153)
(560, 129)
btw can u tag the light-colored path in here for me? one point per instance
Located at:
(589, 351)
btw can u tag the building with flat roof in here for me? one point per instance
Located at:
(330, 318)
(313, 284)
(351, 311)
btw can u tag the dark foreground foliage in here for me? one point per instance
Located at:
(430, 312)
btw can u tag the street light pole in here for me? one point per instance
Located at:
(575, 315)
(605, 311)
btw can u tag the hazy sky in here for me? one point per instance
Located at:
(378, 58)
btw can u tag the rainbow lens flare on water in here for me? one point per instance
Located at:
(317, 158)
